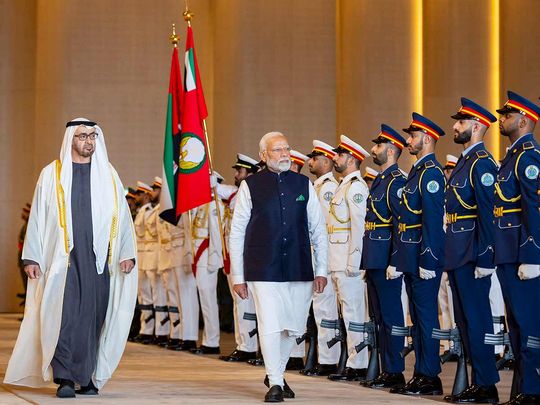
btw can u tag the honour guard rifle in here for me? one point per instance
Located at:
(311, 336)
(250, 316)
(461, 380)
(404, 331)
(369, 329)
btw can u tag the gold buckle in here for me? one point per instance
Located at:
(402, 227)
(370, 226)
(330, 228)
(498, 212)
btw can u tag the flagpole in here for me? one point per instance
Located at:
(175, 39)
(188, 15)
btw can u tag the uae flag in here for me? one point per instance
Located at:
(171, 150)
(193, 167)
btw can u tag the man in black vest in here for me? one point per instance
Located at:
(276, 220)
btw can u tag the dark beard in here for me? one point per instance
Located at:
(381, 161)
(463, 137)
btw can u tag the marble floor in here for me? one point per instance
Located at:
(151, 375)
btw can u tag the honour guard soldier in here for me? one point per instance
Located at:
(345, 233)
(517, 239)
(146, 304)
(469, 247)
(246, 345)
(324, 303)
(207, 261)
(420, 253)
(369, 176)
(297, 161)
(296, 362)
(379, 253)
(445, 293)
(189, 301)
(159, 292)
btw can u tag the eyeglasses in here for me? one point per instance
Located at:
(83, 137)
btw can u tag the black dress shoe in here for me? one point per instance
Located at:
(66, 389)
(421, 385)
(274, 394)
(411, 383)
(524, 399)
(160, 340)
(387, 380)
(239, 356)
(350, 374)
(144, 339)
(89, 389)
(320, 370)
(295, 363)
(476, 394)
(205, 350)
(172, 344)
(258, 361)
(186, 345)
(287, 391)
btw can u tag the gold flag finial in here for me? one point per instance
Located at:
(174, 38)
(188, 15)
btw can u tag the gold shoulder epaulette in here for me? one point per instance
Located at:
(482, 154)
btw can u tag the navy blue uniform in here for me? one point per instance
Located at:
(517, 241)
(469, 244)
(378, 253)
(421, 244)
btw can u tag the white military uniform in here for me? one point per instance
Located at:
(159, 293)
(497, 306)
(242, 327)
(182, 260)
(325, 303)
(169, 277)
(144, 250)
(446, 306)
(346, 224)
(209, 260)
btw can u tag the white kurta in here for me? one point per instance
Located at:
(45, 243)
(281, 306)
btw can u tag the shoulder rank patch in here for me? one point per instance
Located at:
(429, 164)
(528, 145)
(531, 172)
(432, 186)
(487, 179)
(353, 179)
(482, 154)
(358, 198)
(396, 173)
(328, 196)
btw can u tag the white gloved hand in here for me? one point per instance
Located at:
(528, 271)
(481, 272)
(427, 274)
(392, 273)
(213, 181)
(352, 272)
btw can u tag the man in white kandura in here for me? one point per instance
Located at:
(276, 220)
(79, 254)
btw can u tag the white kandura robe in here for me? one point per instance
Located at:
(30, 363)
